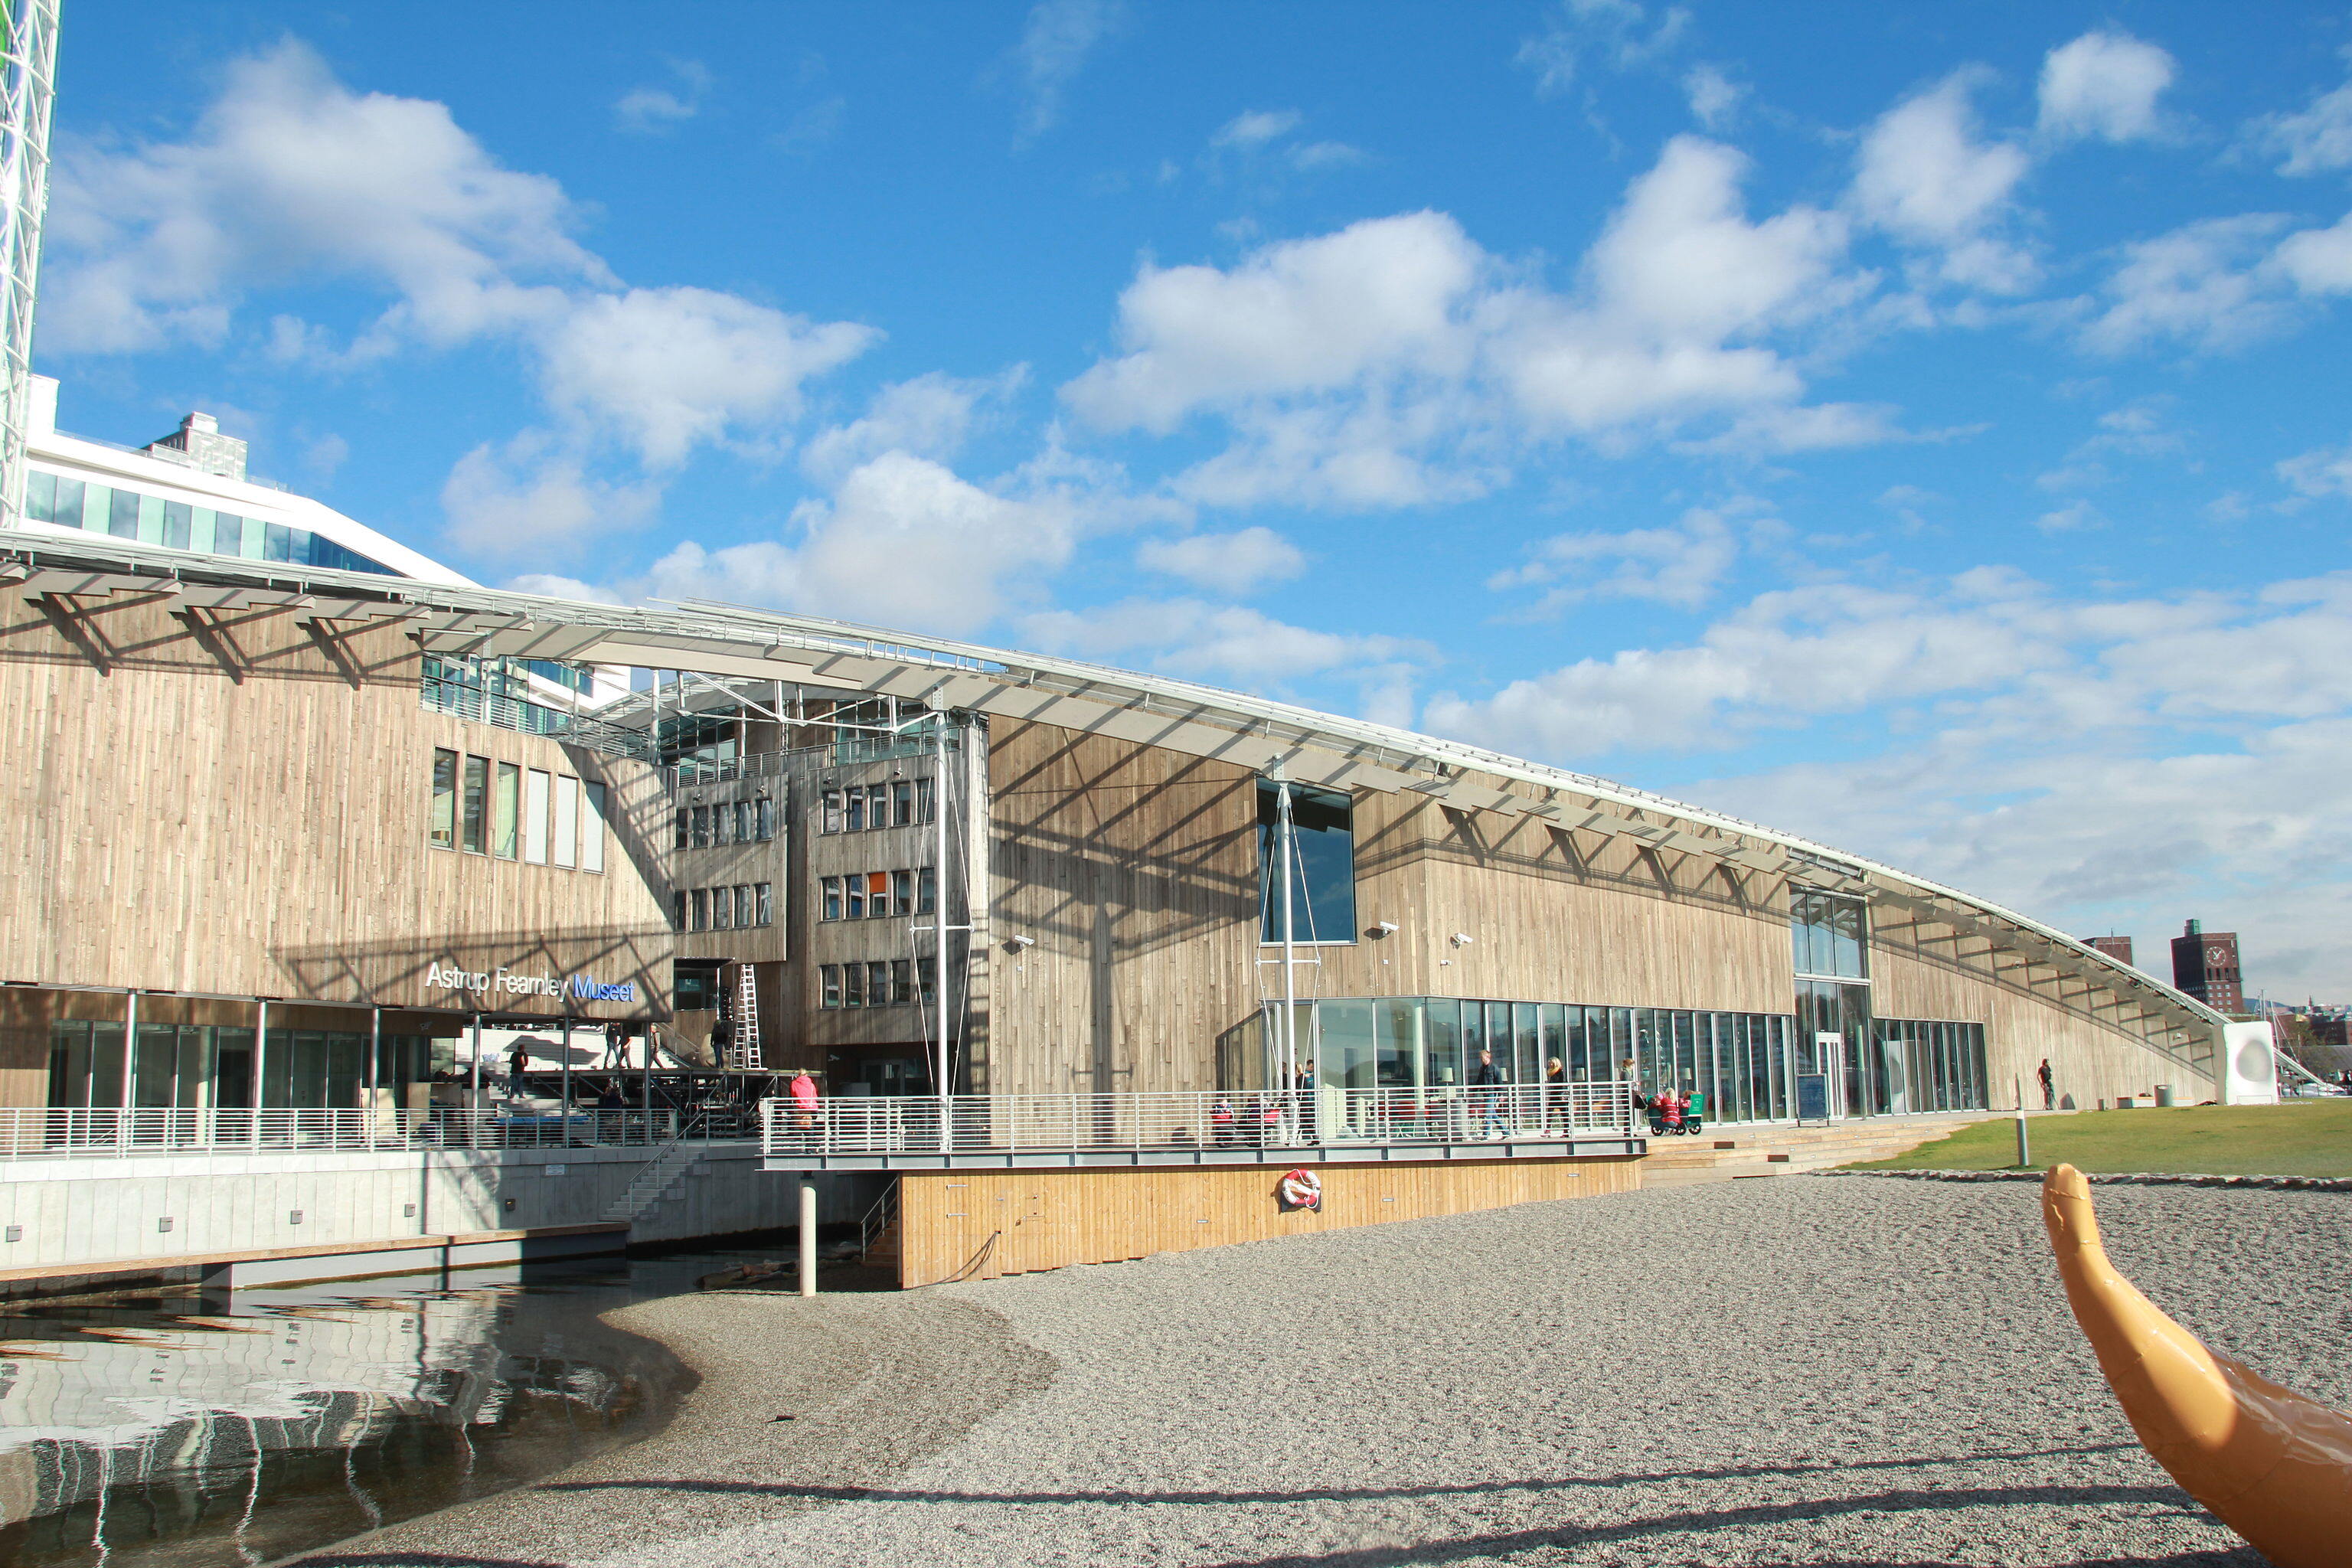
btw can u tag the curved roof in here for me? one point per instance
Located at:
(725, 652)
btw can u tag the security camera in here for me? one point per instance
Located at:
(1386, 928)
(1462, 939)
(1019, 943)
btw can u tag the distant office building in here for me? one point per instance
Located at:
(2118, 948)
(2205, 966)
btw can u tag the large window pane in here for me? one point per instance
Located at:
(565, 849)
(40, 497)
(1322, 902)
(475, 804)
(444, 799)
(591, 828)
(176, 524)
(1444, 1042)
(122, 516)
(506, 810)
(534, 817)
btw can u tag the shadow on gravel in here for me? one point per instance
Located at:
(1375, 1494)
(419, 1559)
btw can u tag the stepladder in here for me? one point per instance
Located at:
(743, 1041)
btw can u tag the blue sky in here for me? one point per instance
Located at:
(1922, 427)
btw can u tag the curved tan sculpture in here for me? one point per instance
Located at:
(2273, 1466)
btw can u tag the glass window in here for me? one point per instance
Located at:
(902, 980)
(924, 802)
(567, 820)
(853, 815)
(832, 812)
(276, 542)
(902, 892)
(743, 911)
(878, 894)
(1552, 1041)
(878, 806)
(1322, 901)
(677, 914)
(902, 803)
(698, 911)
(177, 519)
(828, 979)
(767, 898)
(926, 889)
(228, 533)
(853, 986)
(829, 889)
(722, 908)
(40, 497)
(444, 799)
(699, 829)
(122, 516)
(878, 984)
(767, 822)
(1442, 1043)
(722, 824)
(151, 520)
(475, 804)
(684, 818)
(853, 903)
(746, 822)
(591, 827)
(1527, 1063)
(201, 528)
(506, 810)
(927, 977)
(534, 817)
(1829, 932)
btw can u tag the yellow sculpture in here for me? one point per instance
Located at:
(2273, 1466)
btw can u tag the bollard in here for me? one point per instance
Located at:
(808, 1236)
(2024, 1154)
(2164, 1097)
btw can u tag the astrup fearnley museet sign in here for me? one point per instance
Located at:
(513, 983)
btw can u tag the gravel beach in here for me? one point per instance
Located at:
(1796, 1371)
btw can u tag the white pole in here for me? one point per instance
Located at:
(1289, 937)
(808, 1235)
(940, 910)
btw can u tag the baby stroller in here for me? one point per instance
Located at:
(1666, 1115)
(1694, 1112)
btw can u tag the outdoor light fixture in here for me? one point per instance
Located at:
(1462, 939)
(1021, 943)
(1386, 928)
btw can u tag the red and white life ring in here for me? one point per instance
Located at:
(1300, 1189)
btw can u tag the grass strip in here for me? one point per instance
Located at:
(2303, 1138)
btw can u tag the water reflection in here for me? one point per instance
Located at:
(196, 1431)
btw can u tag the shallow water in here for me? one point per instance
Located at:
(235, 1429)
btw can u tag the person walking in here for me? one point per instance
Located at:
(1554, 1095)
(2049, 1086)
(518, 1064)
(1306, 1102)
(804, 1107)
(1489, 1078)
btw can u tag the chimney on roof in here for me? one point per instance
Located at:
(2196, 928)
(198, 444)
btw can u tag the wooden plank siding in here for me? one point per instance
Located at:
(236, 802)
(985, 1224)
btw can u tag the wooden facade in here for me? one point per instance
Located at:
(980, 1225)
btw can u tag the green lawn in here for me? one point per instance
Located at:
(2307, 1138)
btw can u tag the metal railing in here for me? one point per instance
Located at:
(28, 1132)
(1066, 1123)
(468, 700)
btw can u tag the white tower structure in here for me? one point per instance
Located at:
(27, 80)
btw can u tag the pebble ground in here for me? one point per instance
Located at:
(1842, 1371)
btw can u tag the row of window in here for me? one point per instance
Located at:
(896, 983)
(742, 905)
(728, 822)
(510, 812)
(901, 803)
(878, 895)
(178, 525)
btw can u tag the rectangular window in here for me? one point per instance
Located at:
(902, 981)
(878, 895)
(767, 822)
(722, 824)
(1829, 933)
(276, 542)
(878, 984)
(926, 975)
(40, 497)
(853, 986)
(698, 911)
(902, 803)
(122, 517)
(830, 889)
(831, 822)
(902, 892)
(1321, 905)
(767, 899)
(591, 828)
(700, 830)
(853, 816)
(744, 909)
(722, 908)
(828, 979)
(567, 820)
(475, 802)
(684, 816)
(506, 810)
(746, 822)
(444, 799)
(176, 521)
(151, 520)
(678, 915)
(927, 890)
(201, 531)
(228, 533)
(96, 505)
(853, 901)
(923, 799)
(878, 806)
(534, 817)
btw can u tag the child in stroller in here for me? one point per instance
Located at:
(1665, 1114)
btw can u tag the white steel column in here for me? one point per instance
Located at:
(1289, 1052)
(375, 1063)
(939, 910)
(130, 1047)
(808, 1235)
(563, 1116)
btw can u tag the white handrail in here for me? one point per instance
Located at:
(49, 1132)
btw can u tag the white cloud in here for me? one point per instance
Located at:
(547, 585)
(2105, 84)
(2199, 285)
(1715, 98)
(1234, 565)
(2318, 260)
(1619, 33)
(2316, 141)
(1681, 565)
(529, 495)
(902, 543)
(658, 108)
(1925, 175)
(2069, 518)
(2324, 471)
(1256, 128)
(1054, 45)
(1201, 641)
(671, 368)
(931, 417)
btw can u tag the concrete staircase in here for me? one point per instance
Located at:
(655, 1181)
(1746, 1149)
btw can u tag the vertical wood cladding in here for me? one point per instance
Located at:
(236, 802)
(984, 1224)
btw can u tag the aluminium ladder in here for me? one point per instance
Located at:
(744, 1043)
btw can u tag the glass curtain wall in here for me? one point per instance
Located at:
(194, 1066)
(1323, 864)
(1830, 933)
